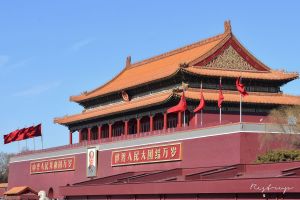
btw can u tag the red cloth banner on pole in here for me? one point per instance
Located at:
(220, 100)
(240, 87)
(23, 134)
(8, 138)
(221, 96)
(180, 107)
(37, 131)
(201, 104)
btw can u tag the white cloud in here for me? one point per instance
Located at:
(80, 44)
(38, 89)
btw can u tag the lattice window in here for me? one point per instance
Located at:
(172, 120)
(105, 131)
(158, 121)
(94, 133)
(145, 124)
(132, 126)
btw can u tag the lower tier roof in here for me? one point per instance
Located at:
(191, 94)
(253, 97)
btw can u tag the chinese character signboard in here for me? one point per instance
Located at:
(161, 153)
(91, 162)
(52, 165)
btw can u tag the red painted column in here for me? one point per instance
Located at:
(109, 130)
(165, 121)
(71, 137)
(138, 126)
(126, 128)
(99, 132)
(89, 134)
(79, 135)
(179, 119)
(151, 123)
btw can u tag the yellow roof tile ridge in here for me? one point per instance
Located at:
(179, 50)
(130, 65)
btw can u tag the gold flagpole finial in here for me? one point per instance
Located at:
(184, 85)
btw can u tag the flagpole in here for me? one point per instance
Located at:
(220, 106)
(42, 137)
(221, 115)
(241, 108)
(42, 142)
(201, 117)
(33, 143)
(183, 118)
(183, 88)
(184, 110)
(201, 109)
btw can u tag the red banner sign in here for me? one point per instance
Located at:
(161, 153)
(52, 165)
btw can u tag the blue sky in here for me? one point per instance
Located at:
(50, 50)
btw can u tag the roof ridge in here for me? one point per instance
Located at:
(179, 50)
(250, 54)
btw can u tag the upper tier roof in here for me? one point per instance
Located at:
(195, 56)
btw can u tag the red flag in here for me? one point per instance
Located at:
(201, 104)
(24, 133)
(180, 107)
(21, 134)
(35, 131)
(28, 131)
(8, 138)
(240, 87)
(221, 97)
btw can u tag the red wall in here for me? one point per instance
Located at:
(209, 151)
(2, 190)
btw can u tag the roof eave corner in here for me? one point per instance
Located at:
(58, 120)
(73, 99)
(77, 99)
